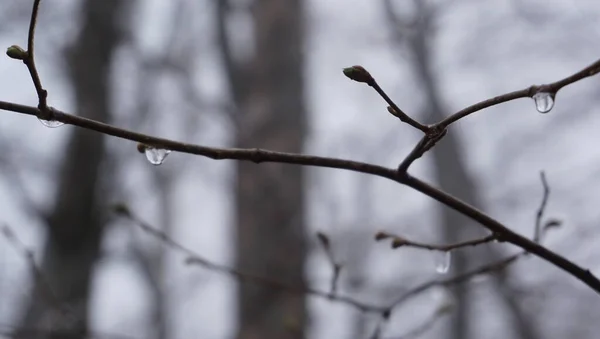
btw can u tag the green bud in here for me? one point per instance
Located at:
(16, 52)
(358, 73)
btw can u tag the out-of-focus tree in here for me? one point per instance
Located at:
(59, 303)
(416, 34)
(267, 89)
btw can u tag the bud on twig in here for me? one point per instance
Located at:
(381, 236)
(358, 73)
(16, 52)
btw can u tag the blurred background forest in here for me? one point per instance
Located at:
(268, 73)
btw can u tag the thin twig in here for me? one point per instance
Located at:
(29, 61)
(425, 144)
(398, 241)
(336, 267)
(552, 88)
(383, 311)
(504, 233)
(488, 268)
(46, 291)
(397, 111)
(360, 74)
(194, 258)
(540, 212)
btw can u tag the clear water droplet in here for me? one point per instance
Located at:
(442, 261)
(544, 101)
(156, 156)
(51, 123)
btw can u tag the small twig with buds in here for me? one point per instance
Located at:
(359, 74)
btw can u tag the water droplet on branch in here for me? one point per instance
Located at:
(442, 261)
(544, 101)
(156, 156)
(51, 123)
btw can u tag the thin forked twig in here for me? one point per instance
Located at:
(29, 60)
(425, 144)
(384, 312)
(194, 258)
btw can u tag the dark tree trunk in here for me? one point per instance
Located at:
(268, 92)
(59, 304)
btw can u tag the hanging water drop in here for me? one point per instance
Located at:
(544, 101)
(442, 261)
(51, 123)
(156, 156)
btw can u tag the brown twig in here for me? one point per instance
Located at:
(551, 88)
(360, 74)
(29, 61)
(194, 258)
(398, 241)
(506, 234)
(425, 144)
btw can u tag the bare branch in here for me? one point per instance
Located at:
(195, 259)
(258, 155)
(29, 60)
(425, 144)
(398, 241)
(359, 74)
(551, 88)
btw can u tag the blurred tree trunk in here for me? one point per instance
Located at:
(268, 90)
(453, 177)
(60, 300)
